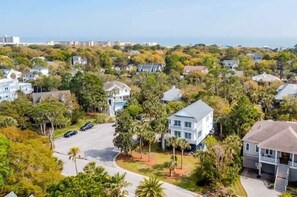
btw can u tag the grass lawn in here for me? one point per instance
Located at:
(60, 132)
(238, 189)
(183, 177)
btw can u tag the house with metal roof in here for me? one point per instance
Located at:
(286, 90)
(230, 64)
(150, 68)
(174, 94)
(192, 123)
(78, 60)
(271, 147)
(255, 57)
(118, 95)
(264, 77)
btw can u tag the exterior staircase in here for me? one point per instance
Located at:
(281, 178)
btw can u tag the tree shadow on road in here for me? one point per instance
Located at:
(104, 155)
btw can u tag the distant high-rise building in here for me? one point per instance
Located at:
(9, 40)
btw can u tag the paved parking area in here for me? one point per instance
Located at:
(256, 187)
(96, 145)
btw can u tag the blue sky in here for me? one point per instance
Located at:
(149, 18)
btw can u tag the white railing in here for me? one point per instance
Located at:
(268, 159)
(293, 162)
(276, 177)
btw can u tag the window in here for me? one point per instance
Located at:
(257, 148)
(199, 133)
(188, 124)
(177, 123)
(266, 151)
(270, 152)
(188, 135)
(177, 133)
(247, 147)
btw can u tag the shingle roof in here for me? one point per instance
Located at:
(197, 110)
(11, 194)
(265, 77)
(111, 84)
(56, 94)
(172, 95)
(285, 140)
(188, 69)
(276, 135)
(286, 90)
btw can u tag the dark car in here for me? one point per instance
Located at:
(87, 126)
(140, 117)
(70, 133)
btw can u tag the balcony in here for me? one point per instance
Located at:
(182, 128)
(269, 159)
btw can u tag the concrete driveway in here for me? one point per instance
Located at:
(255, 187)
(96, 145)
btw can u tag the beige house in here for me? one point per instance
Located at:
(271, 147)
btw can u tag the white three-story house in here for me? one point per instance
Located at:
(193, 123)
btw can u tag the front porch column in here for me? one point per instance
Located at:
(275, 158)
(293, 160)
(259, 154)
(259, 168)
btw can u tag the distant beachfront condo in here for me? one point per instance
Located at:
(192, 123)
(9, 40)
(118, 94)
(9, 88)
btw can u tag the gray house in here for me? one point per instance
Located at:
(230, 64)
(174, 94)
(255, 57)
(150, 68)
(285, 91)
(271, 147)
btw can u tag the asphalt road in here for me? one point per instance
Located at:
(96, 145)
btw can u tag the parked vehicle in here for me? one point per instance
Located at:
(70, 133)
(87, 126)
(140, 117)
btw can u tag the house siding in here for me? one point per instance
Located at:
(293, 174)
(204, 126)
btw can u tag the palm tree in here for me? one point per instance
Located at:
(90, 168)
(150, 187)
(118, 183)
(73, 154)
(162, 129)
(150, 137)
(183, 144)
(173, 141)
(139, 129)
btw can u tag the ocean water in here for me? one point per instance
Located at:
(172, 41)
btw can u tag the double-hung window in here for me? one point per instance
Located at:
(247, 147)
(177, 123)
(188, 124)
(188, 136)
(177, 133)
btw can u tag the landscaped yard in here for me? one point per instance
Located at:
(238, 189)
(157, 167)
(60, 132)
(183, 178)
